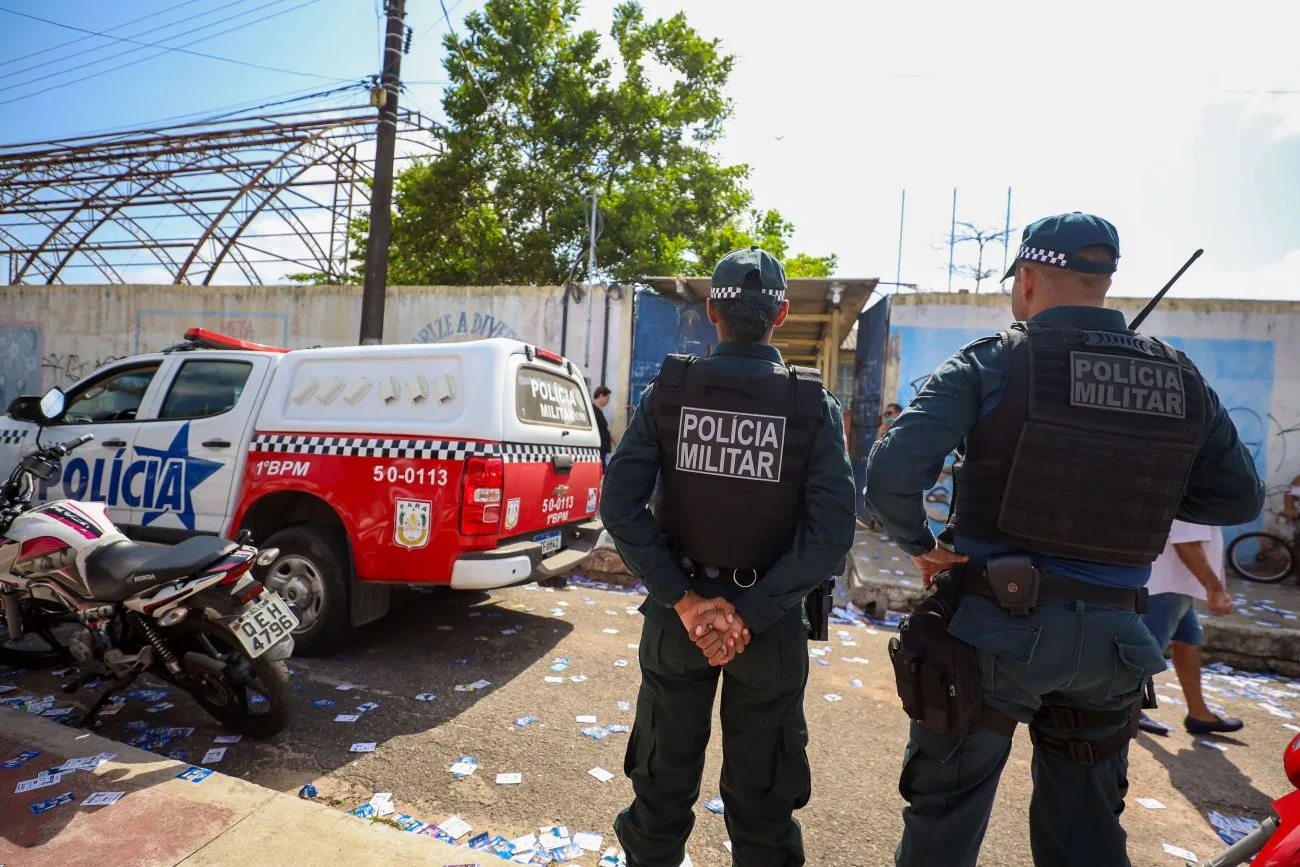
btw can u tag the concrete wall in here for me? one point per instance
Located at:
(55, 335)
(1248, 350)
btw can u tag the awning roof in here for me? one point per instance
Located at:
(815, 318)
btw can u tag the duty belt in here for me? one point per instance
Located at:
(742, 578)
(1001, 583)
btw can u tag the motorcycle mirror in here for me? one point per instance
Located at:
(51, 405)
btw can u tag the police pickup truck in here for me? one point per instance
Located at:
(473, 465)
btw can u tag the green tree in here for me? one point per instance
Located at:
(538, 117)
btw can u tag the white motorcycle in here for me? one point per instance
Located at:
(74, 589)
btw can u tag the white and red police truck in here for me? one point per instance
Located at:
(470, 465)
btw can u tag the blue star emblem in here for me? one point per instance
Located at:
(194, 472)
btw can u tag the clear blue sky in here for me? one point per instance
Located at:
(333, 41)
(1180, 122)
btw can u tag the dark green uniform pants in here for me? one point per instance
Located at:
(1063, 654)
(765, 775)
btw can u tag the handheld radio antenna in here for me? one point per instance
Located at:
(1151, 305)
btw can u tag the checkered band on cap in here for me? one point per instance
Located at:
(1038, 254)
(722, 293)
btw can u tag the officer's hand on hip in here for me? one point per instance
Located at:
(938, 559)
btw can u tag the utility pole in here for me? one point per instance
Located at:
(381, 196)
(591, 280)
(902, 213)
(1006, 241)
(952, 237)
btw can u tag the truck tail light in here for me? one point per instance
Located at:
(480, 504)
(547, 355)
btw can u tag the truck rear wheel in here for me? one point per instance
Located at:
(312, 574)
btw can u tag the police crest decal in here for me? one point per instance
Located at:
(512, 513)
(411, 523)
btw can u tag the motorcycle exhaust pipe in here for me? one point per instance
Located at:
(13, 616)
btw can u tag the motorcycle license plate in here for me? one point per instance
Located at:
(268, 622)
(550, 542)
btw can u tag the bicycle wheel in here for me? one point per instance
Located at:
(1261, 557)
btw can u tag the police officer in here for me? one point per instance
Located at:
(755, 509)
(1078, 443)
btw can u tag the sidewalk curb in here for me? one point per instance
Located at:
(259, 821)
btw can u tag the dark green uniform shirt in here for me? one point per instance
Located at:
(822, 539)
(1223, 487)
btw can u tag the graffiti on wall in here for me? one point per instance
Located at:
(156, 329)
(64, 370)
(462, 326)
(20, 360)
(1240, 371)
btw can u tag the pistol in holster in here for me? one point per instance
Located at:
(817, 605)
(936, 674)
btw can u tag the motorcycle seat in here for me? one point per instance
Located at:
(122, 569)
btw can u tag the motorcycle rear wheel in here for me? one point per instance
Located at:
(251, 697)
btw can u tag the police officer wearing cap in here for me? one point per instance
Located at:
(1078, 442)
(755, 510)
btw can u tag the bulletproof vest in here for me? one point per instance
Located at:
(734, 452)
(1089, 452)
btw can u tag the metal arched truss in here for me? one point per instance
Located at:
(245, 200)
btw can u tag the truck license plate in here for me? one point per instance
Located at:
(268, 622)
(550, 542)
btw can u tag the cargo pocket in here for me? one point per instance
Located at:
(1007, 648)
(1135, 661)
(792, 778)
(640, 749)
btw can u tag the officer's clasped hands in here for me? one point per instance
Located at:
(714, 626)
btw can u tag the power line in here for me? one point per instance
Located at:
(46, 51)
(428, 29)
(173, 48)
(129, 51)
(82, 55)
(159, 54)
(356, 85)
(303, 94)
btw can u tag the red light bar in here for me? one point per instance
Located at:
(213, 340)
(552, 357)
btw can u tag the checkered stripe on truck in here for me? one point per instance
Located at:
(416, 449)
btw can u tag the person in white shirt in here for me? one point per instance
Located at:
(1190, 568)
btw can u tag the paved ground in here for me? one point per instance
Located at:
(512, 639)
(164, 814)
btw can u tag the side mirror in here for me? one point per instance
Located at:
(51, 405)
(37, 410)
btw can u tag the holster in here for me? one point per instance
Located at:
(817, 605)
(936, 674)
